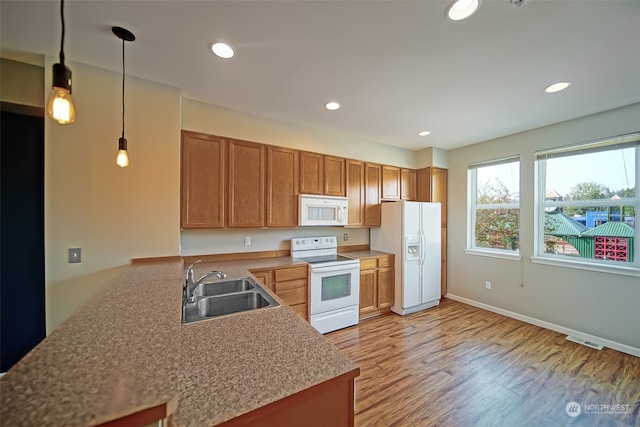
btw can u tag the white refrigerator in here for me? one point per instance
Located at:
(411, 230)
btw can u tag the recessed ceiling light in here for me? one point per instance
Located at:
(424, 133)
(557, 87)
(222, 50)
(462, 9)
(333, 105)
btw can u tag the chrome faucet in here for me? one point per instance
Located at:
(191, 283)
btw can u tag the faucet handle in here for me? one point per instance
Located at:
(190, 274)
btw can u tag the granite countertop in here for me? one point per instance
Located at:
(126, 350)
(365, 254)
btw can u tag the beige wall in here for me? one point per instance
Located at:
(200, 117)
(22, 83)
(113, 214)
(599, 304)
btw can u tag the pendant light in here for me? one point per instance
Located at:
(60, 106)
(122, 158)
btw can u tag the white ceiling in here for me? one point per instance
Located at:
(397, 67)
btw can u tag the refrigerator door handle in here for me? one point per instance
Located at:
(423, 248)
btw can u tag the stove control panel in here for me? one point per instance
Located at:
(307, 243)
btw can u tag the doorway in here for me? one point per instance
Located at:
(22, 270)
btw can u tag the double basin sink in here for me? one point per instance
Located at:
(224, 297)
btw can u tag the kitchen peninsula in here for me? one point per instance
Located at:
(125, 356)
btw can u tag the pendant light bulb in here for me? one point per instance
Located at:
(122, 158)
(60, 106)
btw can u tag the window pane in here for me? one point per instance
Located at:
(591, 232)
(497, 229)
(593, 176)
(498, 184)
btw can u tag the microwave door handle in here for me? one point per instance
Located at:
(340, 214)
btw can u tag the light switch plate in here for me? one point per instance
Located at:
(75, 255)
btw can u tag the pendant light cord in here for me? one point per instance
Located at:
(123, 88)
(63, 29)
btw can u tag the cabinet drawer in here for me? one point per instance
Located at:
(368, 264)
(293, 296)
(292, 284)
(291, 274)
(385, 261)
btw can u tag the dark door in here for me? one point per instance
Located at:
(22, 310)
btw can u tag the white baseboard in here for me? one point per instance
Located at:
(547, 325)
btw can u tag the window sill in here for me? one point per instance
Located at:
(494, 254)
(624, 271)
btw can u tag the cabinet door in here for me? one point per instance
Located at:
(311, 173)
(408, 184)
(202, 180)
(438, 185)
(355, 192)
(390, 182)
(423, 185)
(372, 177)
(265, 278)
(367, 291)
(282, 187)
(246, 184)
(334, 180)
(385, 287)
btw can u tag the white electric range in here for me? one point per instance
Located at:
(334, 284)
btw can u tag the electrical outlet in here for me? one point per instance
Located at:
(345, 237)
(487, 284)
(247, 241)
(75, 255)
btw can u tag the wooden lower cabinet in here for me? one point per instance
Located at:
(376, 285)
(291, 284)
(331, 403)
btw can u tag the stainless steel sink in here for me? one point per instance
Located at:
(226, 297)
(225, 287)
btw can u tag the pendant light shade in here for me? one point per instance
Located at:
(122, 158)
(60, 106)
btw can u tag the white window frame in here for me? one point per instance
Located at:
(540, 256)
(473, 207)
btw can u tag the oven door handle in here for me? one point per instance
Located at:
(342, 267)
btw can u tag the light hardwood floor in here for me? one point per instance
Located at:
(457, 365)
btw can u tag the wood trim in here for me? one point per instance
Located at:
(238, 256)
(156, 259)
(353, 248)
(268, 414)
(25, 110)
(146, 416)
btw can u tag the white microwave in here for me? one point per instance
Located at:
(322, 210)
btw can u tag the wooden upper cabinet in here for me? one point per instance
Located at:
(390, 182)
(408, 184)
(246, 184)
(438, 187)
(423, 185)
(311, 173)
(355, 192)
(282, 187)
(202, 194)
(373, 183)
(432, 187)
(334, 177)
